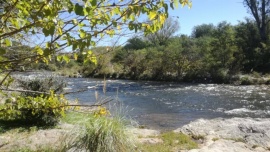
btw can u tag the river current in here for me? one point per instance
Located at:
(169, 105)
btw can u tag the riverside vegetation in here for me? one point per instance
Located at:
(222, 53)
(34, 35)
(73, 130)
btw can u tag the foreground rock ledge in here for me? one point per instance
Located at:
(220, 135)
(230, 135)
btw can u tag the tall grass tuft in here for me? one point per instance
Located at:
(101, 134)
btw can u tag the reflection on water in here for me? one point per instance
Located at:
(170, 105)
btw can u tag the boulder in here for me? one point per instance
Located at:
(235, 134)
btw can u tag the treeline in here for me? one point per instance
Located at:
(212, 53)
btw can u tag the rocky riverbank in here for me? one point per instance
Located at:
(230, 135)
(216, 135)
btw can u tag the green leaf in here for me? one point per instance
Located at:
(74, 46)
(152, 15)
(59, 30)
(8, 42)
(75, 56)
(39, 51)
(45, 32)
(81, 25)
(46, 52)
(132, 17)
(49, 31)
(171, 5)
(59, 58)
(114, 23)
(82, 33)
(176, 3)
(130, 26)
(2, 51)
(66, 58)
(78, 10)
(116, 11)
(166, 7)
(93, 2)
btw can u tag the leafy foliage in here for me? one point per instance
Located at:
(37, 110)
(77, 25)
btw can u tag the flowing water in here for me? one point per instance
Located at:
(168, 105)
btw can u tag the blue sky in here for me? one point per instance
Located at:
(209, 11)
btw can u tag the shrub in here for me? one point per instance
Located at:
(56, 84)
(245, 81)
(220, 76)
(44, 66)
(256, 74)
(40, 110)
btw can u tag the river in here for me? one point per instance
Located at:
(169, 105)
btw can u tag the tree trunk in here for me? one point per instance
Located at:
(259, 10)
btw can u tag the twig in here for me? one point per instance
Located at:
(5, 78)
(94, 105)
(71, 105)
(82, 90)
(28, 91)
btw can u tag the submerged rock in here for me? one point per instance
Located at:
(235, 134)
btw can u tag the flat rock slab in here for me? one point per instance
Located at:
(235, 134)
(36, 140)
(143, 133)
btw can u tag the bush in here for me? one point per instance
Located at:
(56, 84)
(256, 74)
(40, 110)
(220, 76)
(245, 81)
(48, 67)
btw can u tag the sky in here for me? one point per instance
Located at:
(209, 11)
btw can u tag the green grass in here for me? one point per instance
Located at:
(43, 149)
(236, 139)
(171, 142)
(75, 117)
(98, 133)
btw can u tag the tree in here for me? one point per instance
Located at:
(203, 30)
(135, 43)
(260, 10)
(247, 40)
(161, 37)
(75, 25)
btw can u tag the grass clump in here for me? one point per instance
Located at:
(197, 137)
(171, 141)
(99, 134)
(237, 139)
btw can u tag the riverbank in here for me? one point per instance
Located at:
(226, 135)
(64, 137)
(229, 135)
(239, 79)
